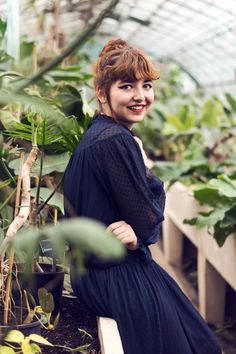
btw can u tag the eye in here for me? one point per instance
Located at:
(147, 85)
(126, 87)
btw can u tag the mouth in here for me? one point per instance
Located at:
(136, 108)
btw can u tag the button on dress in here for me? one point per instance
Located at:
(106, 179)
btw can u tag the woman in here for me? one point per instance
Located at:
(108, 179)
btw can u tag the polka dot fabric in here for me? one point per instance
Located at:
(106, 179)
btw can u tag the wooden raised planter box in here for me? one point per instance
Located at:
(216, 265)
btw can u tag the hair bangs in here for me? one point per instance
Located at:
(134, 66)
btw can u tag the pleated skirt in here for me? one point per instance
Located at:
(152, 313)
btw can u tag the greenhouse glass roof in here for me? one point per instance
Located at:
(199, 35)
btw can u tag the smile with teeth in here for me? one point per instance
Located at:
(137, 108)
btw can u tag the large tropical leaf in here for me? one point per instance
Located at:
(32, 104)
(51, 163)
(84, 235)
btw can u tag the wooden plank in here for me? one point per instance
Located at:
(109, 336)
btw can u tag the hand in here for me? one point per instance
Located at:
(147, 161)
(124, 233)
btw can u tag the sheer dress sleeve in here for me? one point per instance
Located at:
(118, 162)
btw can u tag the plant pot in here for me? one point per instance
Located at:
(25, 328)
(52, 281)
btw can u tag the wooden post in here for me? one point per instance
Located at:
(211, 288)
(172, 242)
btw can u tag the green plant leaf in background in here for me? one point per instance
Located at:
(14, 336)
(51, 163)
(84, 235)
(231, 101)
(220, 194)
(56, 200)
(6, 350)
(212, 113)
(225, 186)
(208, 195)
(208, 219)
(183, 121)
(8, 119)
(33, 104)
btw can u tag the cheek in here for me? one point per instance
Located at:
(151, 97)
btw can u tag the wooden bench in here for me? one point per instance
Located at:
(109, 336)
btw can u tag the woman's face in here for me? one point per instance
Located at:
(129, 101)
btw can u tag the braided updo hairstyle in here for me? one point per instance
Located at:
(120, 61)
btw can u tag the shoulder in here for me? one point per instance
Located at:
(103, 130)
(105, 127)
(104, 134)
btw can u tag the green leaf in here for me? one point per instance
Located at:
(8, 119)
(3, 27)
(33, 104)
(211, 218)
(4, 57)
(14, 336)
(5, 183)
(221, 233)
(55, 322)
(83, 234)
(167, 171)
(25, 346)
(39, 339)
(51, 163)
(6, 350)
(212, 113)
(207, 195)
(45, 300)
(35, 349)
(225, 186)
(26, 49)
(56, 200)
(231, 101)
(192, 221)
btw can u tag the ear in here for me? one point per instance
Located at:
(101, 96)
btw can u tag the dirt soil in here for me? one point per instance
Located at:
(74, 317)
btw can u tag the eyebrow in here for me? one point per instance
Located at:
(132, 81)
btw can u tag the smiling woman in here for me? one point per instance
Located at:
(125, 95)
(108, 179)
(129, 101)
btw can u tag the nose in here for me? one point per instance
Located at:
(139, 94)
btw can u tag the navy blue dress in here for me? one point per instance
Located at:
(106, 179)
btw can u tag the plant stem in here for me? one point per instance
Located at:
(41, 166)
(54, 260)
(11, 256)
(20, 219)
(76, 44)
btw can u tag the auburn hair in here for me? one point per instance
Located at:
(120, 61)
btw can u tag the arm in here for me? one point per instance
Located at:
(118, 161)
